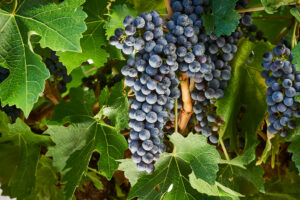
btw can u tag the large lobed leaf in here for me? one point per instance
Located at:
(245, 98)
(170, 179)
(19, 153)
(86, 134)
(224, 19)
(60, 27)
(93, 41)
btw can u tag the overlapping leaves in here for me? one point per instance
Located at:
(86, 134)
(171, 177)
(19, 154)
(93, 42)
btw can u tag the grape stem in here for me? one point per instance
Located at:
(176, 115)
(51, 92)
(169, 9)
(94, 170)
(224, 149)
(294, 40)
(187, 110)
(251, 10)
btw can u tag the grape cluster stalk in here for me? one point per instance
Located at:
(204, 58)
(283, 81)
(150, 73)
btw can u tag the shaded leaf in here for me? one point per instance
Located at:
(273, 25)
(19, 153)
(244, 181)
(46, 181)
(225, 19)
(294, 147)
(147, 6)
(86, 134)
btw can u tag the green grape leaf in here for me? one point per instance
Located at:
(245, 98)
(46, 181)
(170, 179)
(245, 181)
(294, 147)
(60, 27)
(103, 98)
(202, 157)
(224, 19)
(297, 98)
(117, 106)
(217, 189)
(296, 56)
(131, 173)
(273, 25)
(93, 39)
(271, 6)
(86, 134)
(116, 17)
(296, 13)
(19, 153)
(147, 6)
(285, 187)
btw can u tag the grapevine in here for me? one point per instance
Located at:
(146, 99)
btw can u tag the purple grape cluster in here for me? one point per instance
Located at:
(283, 81)
(204, 58)
(57, 69)
(150, 73)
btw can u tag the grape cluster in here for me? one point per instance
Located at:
(11, 111)
(204, 58)
(283, 81)
(250, 30)
(151, 76)
(57, 69)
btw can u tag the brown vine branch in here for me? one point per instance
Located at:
(284, 33)
(187, 110)
(273, 17)
(169, 9)
(51, 92)
(251, 10)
